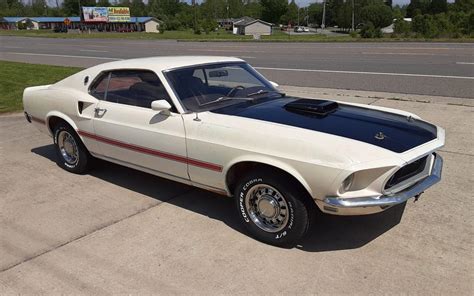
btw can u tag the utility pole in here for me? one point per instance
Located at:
(195, 16)
(298, 16)
(353, 7)
(323, 23)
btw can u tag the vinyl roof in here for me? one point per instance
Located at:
(165, 62)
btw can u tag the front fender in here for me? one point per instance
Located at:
(265, 160)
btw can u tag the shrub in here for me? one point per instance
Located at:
(424, 25)
(470, 24)
(402, 27)
(353, 34)
(197, 30)
(370, 31)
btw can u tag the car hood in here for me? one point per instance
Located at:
(386, 130)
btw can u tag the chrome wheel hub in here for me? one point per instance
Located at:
(267, 208)
(68, 147)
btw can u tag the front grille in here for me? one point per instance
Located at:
(406, 172)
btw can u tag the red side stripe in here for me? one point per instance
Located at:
(38, 120)
(174, 157)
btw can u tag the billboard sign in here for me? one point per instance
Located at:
(118, 14)
(94, 14)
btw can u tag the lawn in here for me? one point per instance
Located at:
(173, 35)
(15, 77)
(221, 35)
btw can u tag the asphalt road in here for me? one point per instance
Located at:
(441, 69)
(120, 231)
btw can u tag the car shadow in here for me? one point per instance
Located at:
(329, 233)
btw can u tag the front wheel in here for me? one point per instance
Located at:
(272, 208)
(71, 153)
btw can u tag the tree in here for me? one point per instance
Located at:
(163, 8)
(417, 5)
(438, 6)
(291, 15)
(344, 15)
(4, 8)
(272, 10)
(253, 9)
(464, 5)
(315, 13)
(235, 8)
(213, 9)
(397, 13)
(379, 15)
(38, 8)
(71, 7)
(137, 8)
(104, 3)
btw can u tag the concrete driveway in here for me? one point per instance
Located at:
(117, 230)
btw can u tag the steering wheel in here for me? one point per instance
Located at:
(234, 89)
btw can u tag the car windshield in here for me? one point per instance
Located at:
(208, 87)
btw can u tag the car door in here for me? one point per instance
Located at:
(129, 131)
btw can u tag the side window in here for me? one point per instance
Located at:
(131, 87)
(99, 87)
(199, 73)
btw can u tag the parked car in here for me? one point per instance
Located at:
(217, 124)
(60, 29)
(298, 29)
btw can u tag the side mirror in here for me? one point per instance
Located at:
(274, 84)
(160, 106)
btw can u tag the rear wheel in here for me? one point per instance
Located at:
(272, 208)
(71, 153)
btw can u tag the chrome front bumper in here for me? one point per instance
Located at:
(374, 204)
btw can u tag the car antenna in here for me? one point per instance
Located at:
(197, 117)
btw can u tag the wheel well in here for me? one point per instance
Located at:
(243, 168)
(53, 121)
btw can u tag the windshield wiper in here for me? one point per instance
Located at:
(264, 92)
(222, 99)
(260, 92)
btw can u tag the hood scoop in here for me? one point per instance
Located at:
(315, 107)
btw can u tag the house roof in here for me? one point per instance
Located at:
(243, 20)
(12, 19)
(246, 21)
(54, 19)
(41, 19)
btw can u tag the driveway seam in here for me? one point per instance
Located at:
(454, 152)
(94, 231)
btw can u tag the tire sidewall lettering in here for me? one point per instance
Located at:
(246, 218)
(242, 193)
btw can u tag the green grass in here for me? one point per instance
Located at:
(221, 35)
(173, 35)
(15, 77)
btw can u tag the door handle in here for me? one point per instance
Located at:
(100, 112)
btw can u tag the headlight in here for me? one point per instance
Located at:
(347, 183)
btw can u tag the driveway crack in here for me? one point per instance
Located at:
(101, 227)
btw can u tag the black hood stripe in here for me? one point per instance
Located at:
(391, 131)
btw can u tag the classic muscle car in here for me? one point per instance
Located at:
(216, 123)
